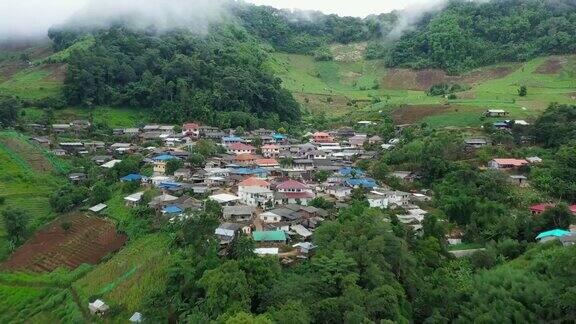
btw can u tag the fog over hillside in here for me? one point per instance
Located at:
(32, 18)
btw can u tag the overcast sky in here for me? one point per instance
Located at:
(34, 17)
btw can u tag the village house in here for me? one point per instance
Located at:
(495, 113)
(240, 148)
(244, 159)
(191, 130)
(504, 164)
(101, 159)
(377, 200)
(339, 192)
(183, 174)
(255, 192)
(42, 141)
(61, 128)
(110, 164)
(227, 232)
(321, 137)
(540, 208)
(160, 163)
(395, 197)
(266, 163)
(474, 143)
(534, 160)
(518, 180)
(131, 132)
(269, 236)
(232, 139)
(270, 150)
(77, 177)
(121, 147)
(293, 192)
(239, 213)
(133, 199)
(375, 140)
(224, 199)
(357, 140)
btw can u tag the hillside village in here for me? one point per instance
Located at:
(270, 186)
(273, 169)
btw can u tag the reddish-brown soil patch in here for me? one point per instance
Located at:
(29, 153)
(88, 240)
(552, 65)
(422, 80)
(413, 114)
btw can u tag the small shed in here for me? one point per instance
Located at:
(98, 307)
(136, 318)
(98, 208)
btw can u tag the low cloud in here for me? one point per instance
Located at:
(32, 18)
(412, 14)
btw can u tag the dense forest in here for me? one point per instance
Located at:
(469, 34)
(217, 79)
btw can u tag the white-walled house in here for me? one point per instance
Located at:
(377, 201)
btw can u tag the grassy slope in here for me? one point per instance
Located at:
(312, 82)
(24, 188)
(128, 278)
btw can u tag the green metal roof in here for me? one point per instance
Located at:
(260, 236)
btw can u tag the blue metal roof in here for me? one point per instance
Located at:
(346, 171)
(172, 209)
(132, 177)
(361, 182)
(163, 157)
(247, 171)
(279, 136)
(169, 185)
(232, 138)
(554, 232)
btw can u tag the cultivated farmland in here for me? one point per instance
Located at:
(87, 240)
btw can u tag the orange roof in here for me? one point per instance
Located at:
(513, 162)
(264, 162)
(321, 134)
(190, 126)
(244, 157)
(254, 182)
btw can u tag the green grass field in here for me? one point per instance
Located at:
(346, 88)
(24, 188)
(31, 83)
(129, 277)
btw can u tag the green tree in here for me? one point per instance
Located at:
(522, 91)
(100, 193)
(173, 165)
(226, 289)
(16, 223)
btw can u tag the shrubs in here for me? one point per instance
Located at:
(442, 89)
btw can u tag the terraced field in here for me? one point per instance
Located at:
(23, 185)
(130, 277)
(87, 241)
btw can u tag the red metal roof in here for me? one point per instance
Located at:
(291, 184)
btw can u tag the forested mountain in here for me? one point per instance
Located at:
(471, 34)
(217, 79)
